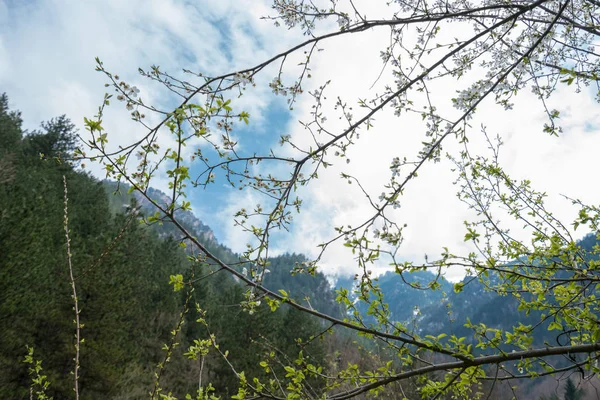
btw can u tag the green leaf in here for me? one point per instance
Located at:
(177, 282)
(555, 326)
(458, 287)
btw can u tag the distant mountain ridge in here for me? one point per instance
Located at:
(444, 310)
(428, 311)
(121, 200)
(313, 291)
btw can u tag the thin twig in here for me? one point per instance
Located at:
(74, 296)
(200, 374)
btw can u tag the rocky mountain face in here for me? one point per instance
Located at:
(446, 310)
(121, 201)
(443, 310)
(313, 291)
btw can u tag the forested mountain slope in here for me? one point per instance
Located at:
(122, 270)
(314, 291)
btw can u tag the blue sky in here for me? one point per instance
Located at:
(57, 41)
(209, 201)
(47, 51)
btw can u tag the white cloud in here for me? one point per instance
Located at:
(429, 206)
(47, 52)
(237, 238)
(5, 64)
(52, 46)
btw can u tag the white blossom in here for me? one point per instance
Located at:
(134, 91)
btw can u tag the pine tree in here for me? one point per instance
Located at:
(572, 392)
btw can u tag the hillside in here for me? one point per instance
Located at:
(122, 271)
(307, 289)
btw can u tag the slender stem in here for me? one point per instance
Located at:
(74, 296)
(170, 347)
(200, 374)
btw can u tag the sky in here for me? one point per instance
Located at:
(47, 68)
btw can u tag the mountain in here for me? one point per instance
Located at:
(313, 291)
(432, 312)
(121, 201)
(121, 269)
(406, 295)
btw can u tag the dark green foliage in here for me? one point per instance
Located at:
(312, 291)
(57, 139)
(35, 301)
(10, 127)
(127, 305)
(248, 338)
(572, 392)
(553, 396)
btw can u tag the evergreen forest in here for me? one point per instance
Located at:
(122, 270)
